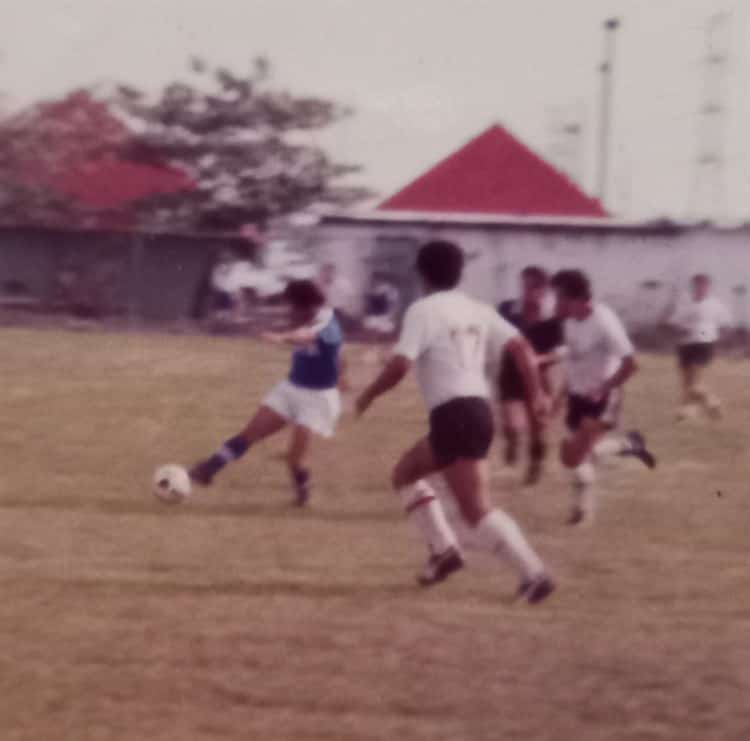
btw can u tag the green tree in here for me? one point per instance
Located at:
(246, 146)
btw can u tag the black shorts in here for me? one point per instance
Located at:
(511, 381)
(695, 353)
(461, 428)
(607, 411)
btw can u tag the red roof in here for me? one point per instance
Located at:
(74, 150)
(495, 174)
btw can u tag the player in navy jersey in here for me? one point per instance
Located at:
(308, 399)
(533, 314)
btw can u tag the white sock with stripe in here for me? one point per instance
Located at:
(426, 513)
(498, 533)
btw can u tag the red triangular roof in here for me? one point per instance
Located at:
(76, 142)
(495, 174)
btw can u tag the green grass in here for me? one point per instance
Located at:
(236, 616)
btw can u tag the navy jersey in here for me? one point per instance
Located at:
(544, 335)
(316, 366)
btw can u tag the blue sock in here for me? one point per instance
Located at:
(232, 449)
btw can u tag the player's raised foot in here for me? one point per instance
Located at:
(440, 566)
(537, 589)
(301, 487)
(637, 449)
(202, 473)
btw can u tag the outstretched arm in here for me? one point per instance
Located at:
(298, 337)
(392, 374)
(527, 364)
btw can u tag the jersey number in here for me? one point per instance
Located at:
(468, 343)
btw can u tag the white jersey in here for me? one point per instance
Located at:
(596, 347)
(454, 341)
(701, 321)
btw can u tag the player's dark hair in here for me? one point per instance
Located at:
(573, 284)
(703, 277)
(536, 274)
(440, 263)
(304, 294)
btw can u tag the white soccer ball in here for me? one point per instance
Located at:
(171, 483)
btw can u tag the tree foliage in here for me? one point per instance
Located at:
(248, 148)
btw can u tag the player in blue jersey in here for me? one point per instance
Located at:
(308, 399)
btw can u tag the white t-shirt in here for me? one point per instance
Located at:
(701, 321)
(454, 341)
(596, 347)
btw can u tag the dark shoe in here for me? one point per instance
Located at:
(440, 566)
(536, 590)
(203, 473)
(301, 487)
(637, 449)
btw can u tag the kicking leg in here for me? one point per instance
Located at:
(494, 531)
(265, 423)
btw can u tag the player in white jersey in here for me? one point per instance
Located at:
(453, 341)
(600, 359)
(701, 321)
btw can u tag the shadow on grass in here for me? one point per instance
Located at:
(237, 588)
(283, 510)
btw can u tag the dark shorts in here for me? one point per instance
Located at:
(511, 381)
(695, 353)
(461, 428)
(607, 411)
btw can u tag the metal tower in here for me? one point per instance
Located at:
(566, 140)
(708, 197)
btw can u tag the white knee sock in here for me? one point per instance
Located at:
(425, 511)
(584, 477)
(497, 533)
(609, 446)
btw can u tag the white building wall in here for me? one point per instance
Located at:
(641, 275)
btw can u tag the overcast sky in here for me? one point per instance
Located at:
(425, 75)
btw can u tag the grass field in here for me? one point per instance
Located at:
(236, 616)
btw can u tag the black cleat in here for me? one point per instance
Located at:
(440, 566)
(638, 449)
(301, 487)
(203, 473)
(537, 589)
(578, 516)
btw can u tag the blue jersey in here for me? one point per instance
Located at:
(317, 365)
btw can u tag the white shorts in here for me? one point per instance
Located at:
(317, 410)
(382, 324)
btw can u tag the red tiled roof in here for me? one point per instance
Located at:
(495, 174)
(75, 142)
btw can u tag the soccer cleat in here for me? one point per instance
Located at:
(440, 566)
(203, 472)
(637, 449)
(301, 487)
(537, 589)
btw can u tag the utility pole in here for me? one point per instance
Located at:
(605, 112)
(708, 192)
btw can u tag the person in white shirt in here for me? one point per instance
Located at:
(701, 321)
(454, 341)
(600, 359)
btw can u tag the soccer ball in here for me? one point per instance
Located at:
(171, 483)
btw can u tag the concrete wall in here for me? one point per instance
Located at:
(640, 273)
(150, 277)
